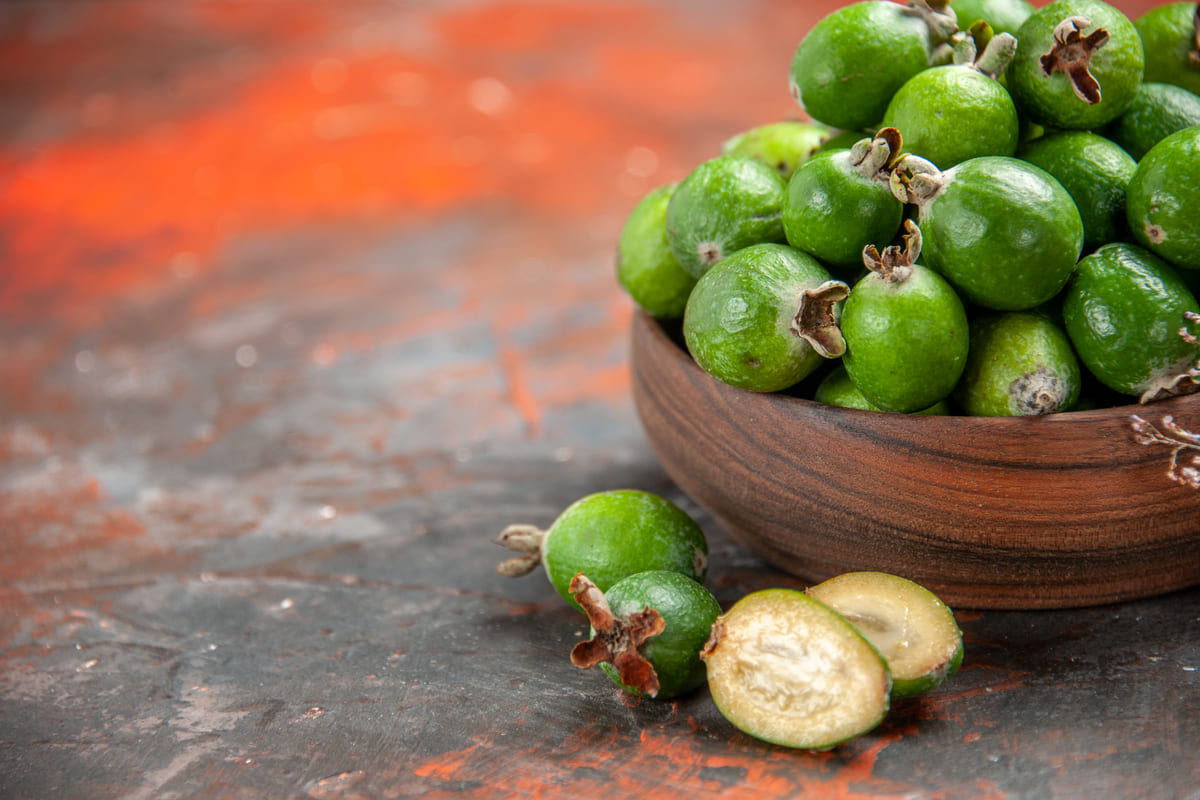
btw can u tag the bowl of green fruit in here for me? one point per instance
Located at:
(944, 324)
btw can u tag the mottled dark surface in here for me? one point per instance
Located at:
(300, 304)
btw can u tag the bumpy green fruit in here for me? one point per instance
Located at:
(1163, 199)
(646, 266)
(1159, 110)
(1171, 37)
(783, 145)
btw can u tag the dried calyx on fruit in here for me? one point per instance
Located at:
(1072, 56)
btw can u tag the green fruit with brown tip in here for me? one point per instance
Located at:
(836, 389)
(1021, 364)
(1078, 65)
(1162, 202)
(1123, 312)
(725, 204)
(848, 66)
(609, 536)
(647, 631)
(764, 318)
(1170, 35)
(646, 266)
(906, 331)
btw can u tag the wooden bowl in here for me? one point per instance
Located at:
(1019, 513)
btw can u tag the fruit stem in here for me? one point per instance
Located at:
(1072, 56)
(1187, 380)
(997, 54)
(816, 321)
(937, 14)
(915, 180)
(895, 264)
(872, 158)
(616, 640)
(525, 539)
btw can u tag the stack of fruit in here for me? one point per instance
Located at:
(992, 210)
(807, 669)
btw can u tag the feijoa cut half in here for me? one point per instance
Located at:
(647, 631)
(788, 669)
(909, 625)
(608, 536)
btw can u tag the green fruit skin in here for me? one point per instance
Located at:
(1163, 199)
(1004, 16)
(687, 608)
(1012, 355)
(1095, 172)
(646, 267)
(1169, 34)
(724, 204)
(737, 325)
(848, 66)
(906, 342)
(1122, 311)
(832, 212)
(612, 535)
(783, 145)
(1004, 232)
(836, 389)
(1159, 110)
(952, 113)
(912, 687)
(1051, 100)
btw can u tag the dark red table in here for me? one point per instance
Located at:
(301, 303)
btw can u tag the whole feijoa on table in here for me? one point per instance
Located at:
(608, 536)
(764, 318)
(647, 631)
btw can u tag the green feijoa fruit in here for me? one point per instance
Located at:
(839, 202)
(951, 113)
(1004, 232)
(1124, 311)
(1159, 110)
(647, 631)
(905, 329)
(1003, 16)
(609, 536)
(836, 389)
(1078, 65)
(1095, 172)
(909, 625)
(1020, 365)
(1171, 37)
(763, 318)
(848, 66)
(646, 265)
(723, 205)
(788, 669)
(1162, 203)
(783, 145)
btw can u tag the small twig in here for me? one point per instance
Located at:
(1179, 440)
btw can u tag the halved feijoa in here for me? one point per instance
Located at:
(788, 669)
(908, 624)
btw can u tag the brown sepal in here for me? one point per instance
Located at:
(616, 640)
(1072, 56)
